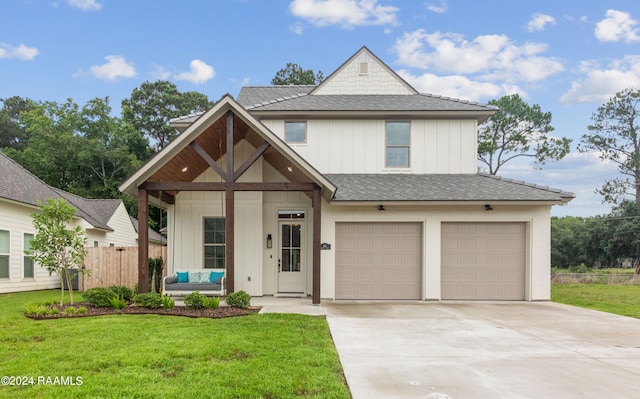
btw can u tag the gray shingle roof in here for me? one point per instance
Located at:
(360, 102)
(252, 95)
(440, 187)
(19, 185)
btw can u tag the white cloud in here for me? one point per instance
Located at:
(199, 73)
(160, 73)
(115, 67)
(617, 26)
(439, 8)
(85, 5)
(456, 86)
(492, 57)
(346, 13)
(297, 28)
(599, 84)
(21, 52)
(539, 21)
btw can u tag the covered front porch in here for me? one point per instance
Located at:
(222, 181)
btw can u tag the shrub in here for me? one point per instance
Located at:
(123, 292)
(82, 310)
(69, 310)
(239, 299)
(581, 268)
(36, 309)
(53, 311)
(118, 303)
(195, 300)
(99, 297)
(212, 303)
(150, 300)
(168, 302)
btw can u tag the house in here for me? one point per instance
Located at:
(104, 221)
(358, 188)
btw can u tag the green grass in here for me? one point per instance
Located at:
(151, 356)
(619, 299)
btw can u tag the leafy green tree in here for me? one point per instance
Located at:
(57, 247)
(518, 130)
(12, 133)
(152, 105)
(568, 236)
(293, 74)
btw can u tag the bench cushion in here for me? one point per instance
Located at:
(191, 286)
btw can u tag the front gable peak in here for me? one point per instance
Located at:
(364, 73)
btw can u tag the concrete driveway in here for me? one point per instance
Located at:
(485, 350)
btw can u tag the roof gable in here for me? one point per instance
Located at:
(364, 73)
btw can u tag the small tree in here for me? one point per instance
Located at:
(293, 74)
(57, 247)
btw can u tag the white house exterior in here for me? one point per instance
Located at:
(390, 173)
(105, 222)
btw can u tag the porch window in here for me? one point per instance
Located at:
(398, 143)
(295, 132)
(214, 243)
(28, 261)
(4, 254)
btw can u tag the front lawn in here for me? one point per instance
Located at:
(151, 356)
(619, 299)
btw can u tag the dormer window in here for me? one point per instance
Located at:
(398, 144)
(364, 69)
(295, 132)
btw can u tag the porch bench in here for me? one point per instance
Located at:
(184, 282)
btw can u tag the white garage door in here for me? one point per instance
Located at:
(378, 260)
(483, 261)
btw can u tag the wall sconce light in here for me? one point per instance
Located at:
(488, 207)
(381, 208)
(269, 241)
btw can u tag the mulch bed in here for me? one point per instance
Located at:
(221, 312)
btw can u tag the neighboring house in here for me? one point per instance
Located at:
(155, 238)
(358, 188)
(105, 222)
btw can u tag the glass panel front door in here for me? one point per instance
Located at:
(290, 266)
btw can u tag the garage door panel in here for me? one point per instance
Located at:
(393, 253)
(483, 261)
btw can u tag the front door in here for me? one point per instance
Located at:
(291, 257)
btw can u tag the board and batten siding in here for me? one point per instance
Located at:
(16, 219)
(123, 234)
(186, 218)
(358, 146)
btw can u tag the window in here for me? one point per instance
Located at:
(4, 254)
(28, 261)
(397, 144)
(295, 132)
(95, 244)
(214, 243)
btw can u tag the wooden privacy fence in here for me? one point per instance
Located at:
(115, 266)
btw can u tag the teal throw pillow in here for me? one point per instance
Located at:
(183, 277)
(215, 276)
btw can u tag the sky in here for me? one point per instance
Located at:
(569, 57)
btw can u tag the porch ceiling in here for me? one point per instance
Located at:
(187, 164)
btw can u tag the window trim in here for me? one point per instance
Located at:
(8, 256)
(27, 257)
(305, 132)
(205, 244)
(387, 146)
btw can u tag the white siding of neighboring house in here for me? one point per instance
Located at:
(123, 234)
(348, 80)
(358, 146)
(16, 219)
(185, 220)
(538, 237)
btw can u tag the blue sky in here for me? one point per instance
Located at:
(567, 56)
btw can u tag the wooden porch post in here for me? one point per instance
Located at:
(143, 240)
(317, 218)
(230, 200)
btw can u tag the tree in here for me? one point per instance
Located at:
(518, 130)
(293, 74)
(568, 236)
(152, 105)
(12, 133)
(57, 247)
(615, 136)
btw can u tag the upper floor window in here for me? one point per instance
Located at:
(398, 144)
(295, 132)
(4, 254)
(214, 243)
